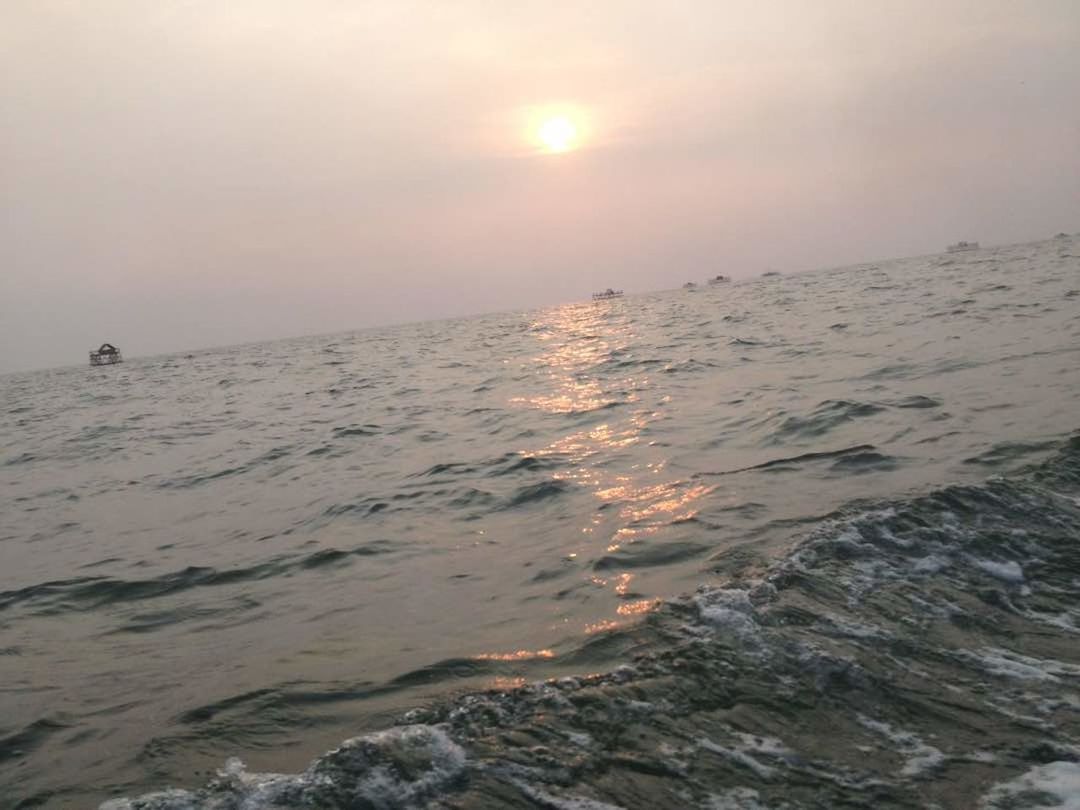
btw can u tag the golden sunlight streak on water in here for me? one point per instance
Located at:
(639, 607)
(577, 372)
(518, 655)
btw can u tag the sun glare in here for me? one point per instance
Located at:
(557, 128)
(558, 134)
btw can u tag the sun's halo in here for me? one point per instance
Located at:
(558, 134)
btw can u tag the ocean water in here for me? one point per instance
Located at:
(807, 541)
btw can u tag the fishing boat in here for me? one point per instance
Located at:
(719, 279)
(606, 294)
(107, 355)
(961, 246)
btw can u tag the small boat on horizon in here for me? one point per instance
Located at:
(961, 246)
(720, 279)
(107, 355)
(606, 294)
(689, 286)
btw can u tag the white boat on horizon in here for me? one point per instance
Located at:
(961, 246)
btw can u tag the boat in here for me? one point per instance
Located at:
(770, 274)
(107, 355)
(961, 246)
(689, 285)
(606, 294)
(719, 279)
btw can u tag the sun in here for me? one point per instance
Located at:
(558, 127)
(558, 134)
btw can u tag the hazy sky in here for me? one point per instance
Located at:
(184, 174)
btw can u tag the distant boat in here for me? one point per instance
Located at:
(689, 285)
(769, 273)
(1061, 235)
(719, 280)
(107, 355)
(606, 294)
(961, 246)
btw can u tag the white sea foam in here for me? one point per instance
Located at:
(1006, 571)
(737, 798)
(1054, 785)
(376, 782)
(920, 757)
(727, 609)
(744, 746)
(1009, 664)
(548, 800)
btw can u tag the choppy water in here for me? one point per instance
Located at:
(461, 546)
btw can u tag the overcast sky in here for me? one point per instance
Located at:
(177, 174)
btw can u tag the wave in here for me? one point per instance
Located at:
(83, 593)
(918, 653)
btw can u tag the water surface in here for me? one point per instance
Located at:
(261, 551)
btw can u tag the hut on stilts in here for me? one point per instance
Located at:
(107, 355)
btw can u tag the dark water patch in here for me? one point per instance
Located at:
(792, 462)
(209, 711)
(687, 366)
(201, 479)
(537, 492)
(1008, 453)
(22, 458)
(937, 437)
(151, 622)
(471, 498)
(513, 463)
(825, 417)
(917, 401)
(644, 554)
(863, 462)
(892, 371)
(446, 467)
(549, 574)
(23, 742)
(355, 430)
(450, 669)
(86, 593)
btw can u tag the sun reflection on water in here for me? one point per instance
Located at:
(517, 655)
(586, 365)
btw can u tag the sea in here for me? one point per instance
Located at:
(798, 541)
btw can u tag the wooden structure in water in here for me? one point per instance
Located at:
(107, 355)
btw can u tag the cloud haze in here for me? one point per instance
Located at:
(184, 174)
